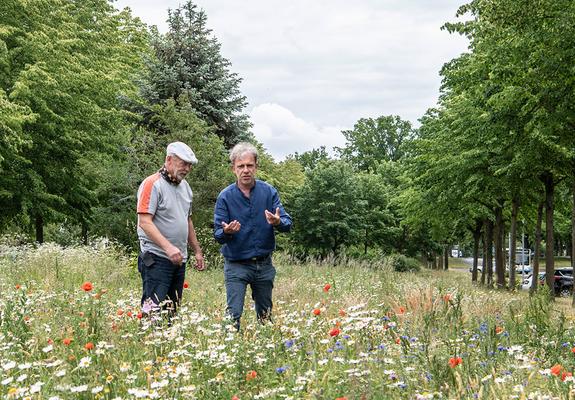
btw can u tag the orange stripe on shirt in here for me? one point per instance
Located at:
(146, 194)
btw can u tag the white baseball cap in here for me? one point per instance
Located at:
(183, 151)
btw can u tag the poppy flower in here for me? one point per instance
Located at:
(120, 312)
(129, 314)
(499, 329)
(446, 298)
(234, 397)
(316, 311)
(87, 286)
(67, 341)
(50, 341)
(564, 375)
(455, 361)
(89, 346)
(186, 285)
(139, 315)
(397, 341)
(400, 310)
(326, 287)
(342, 313)
(251, 375)
(341, 398)
(556, 369)
(18, 287)
(334, 332)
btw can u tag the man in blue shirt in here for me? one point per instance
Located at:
(246, 215)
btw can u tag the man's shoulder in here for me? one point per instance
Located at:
(150, 180)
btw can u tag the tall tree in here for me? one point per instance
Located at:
(66, 63)
(375, 140)
(188, 62)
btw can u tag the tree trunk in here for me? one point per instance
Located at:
(488, 262)
(537, 255)
(499, 258)
(512, 243)
(573, 234)
(549, 245)
(476, 239)
(84, 233)
(365, 243)
(446, 257)
(39, 222)
(440, 262)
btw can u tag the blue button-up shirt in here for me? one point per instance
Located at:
(256, 237)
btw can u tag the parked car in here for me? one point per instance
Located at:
(563, 281)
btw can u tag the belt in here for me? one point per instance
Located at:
(252, 260)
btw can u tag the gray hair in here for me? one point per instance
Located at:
(241, 149)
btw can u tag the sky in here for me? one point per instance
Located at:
(312, 68)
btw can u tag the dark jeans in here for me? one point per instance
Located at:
(162, 281)
(260, 276)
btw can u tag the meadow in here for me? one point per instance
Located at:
(71, 328)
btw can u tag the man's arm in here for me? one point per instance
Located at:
(223, 227)
(147, 224)
(195, 245)
(285, 220)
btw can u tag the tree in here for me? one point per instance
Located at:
(374, 140)
(326, 210)
(65, 64)
(188, 62)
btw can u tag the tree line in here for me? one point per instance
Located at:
(90, 97)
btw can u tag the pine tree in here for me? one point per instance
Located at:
(188, 65)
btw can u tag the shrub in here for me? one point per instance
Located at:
(401, 263)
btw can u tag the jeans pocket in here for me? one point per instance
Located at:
(148, 259)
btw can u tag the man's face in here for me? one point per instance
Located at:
(245, 170)
(177, 167)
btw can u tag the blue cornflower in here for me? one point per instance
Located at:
(281, 370)
(289, 343)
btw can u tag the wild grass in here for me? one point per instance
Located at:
(379, 335)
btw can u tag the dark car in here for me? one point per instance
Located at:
(563, 278)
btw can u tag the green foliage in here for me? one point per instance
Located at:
(325, 209)
(401, 263)
(188, 63)
(375, 140)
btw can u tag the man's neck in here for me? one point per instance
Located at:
(246, 189)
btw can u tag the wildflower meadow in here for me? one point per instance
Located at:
(71, 328)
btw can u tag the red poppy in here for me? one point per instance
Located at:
(186, 285)
(446, 298)
(400, 310)
(316, 311)
(89, 346)
(129, 314)
(120, 312)
(342, 313)
(234, 397)
(334, 332)
(341, 398)
(87, 286)
(398, 341)
(50, 341)
(18, 287)
(67, 341)
(251, 375)
(564, 375)
(139, 315)
(573, 350)
(455, 361)
(499, 329)
(326, 287)
(556, 369)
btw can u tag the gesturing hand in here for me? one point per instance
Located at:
(273, 219)
(232, 227)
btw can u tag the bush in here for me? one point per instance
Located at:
(401, 263)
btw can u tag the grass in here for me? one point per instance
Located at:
(378, 335)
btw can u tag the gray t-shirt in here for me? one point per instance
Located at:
(170, 206)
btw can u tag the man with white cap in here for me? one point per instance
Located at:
(165, 230)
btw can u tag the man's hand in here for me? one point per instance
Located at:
(232, 227)
(200, 265)
(273, 219)
(175, 255)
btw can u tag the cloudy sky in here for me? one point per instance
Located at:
(311, 69)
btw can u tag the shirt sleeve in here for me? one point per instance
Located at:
(148, 197)
(221, 214)
(285, 218)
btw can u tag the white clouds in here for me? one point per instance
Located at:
(327, 63)
(283, 133)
